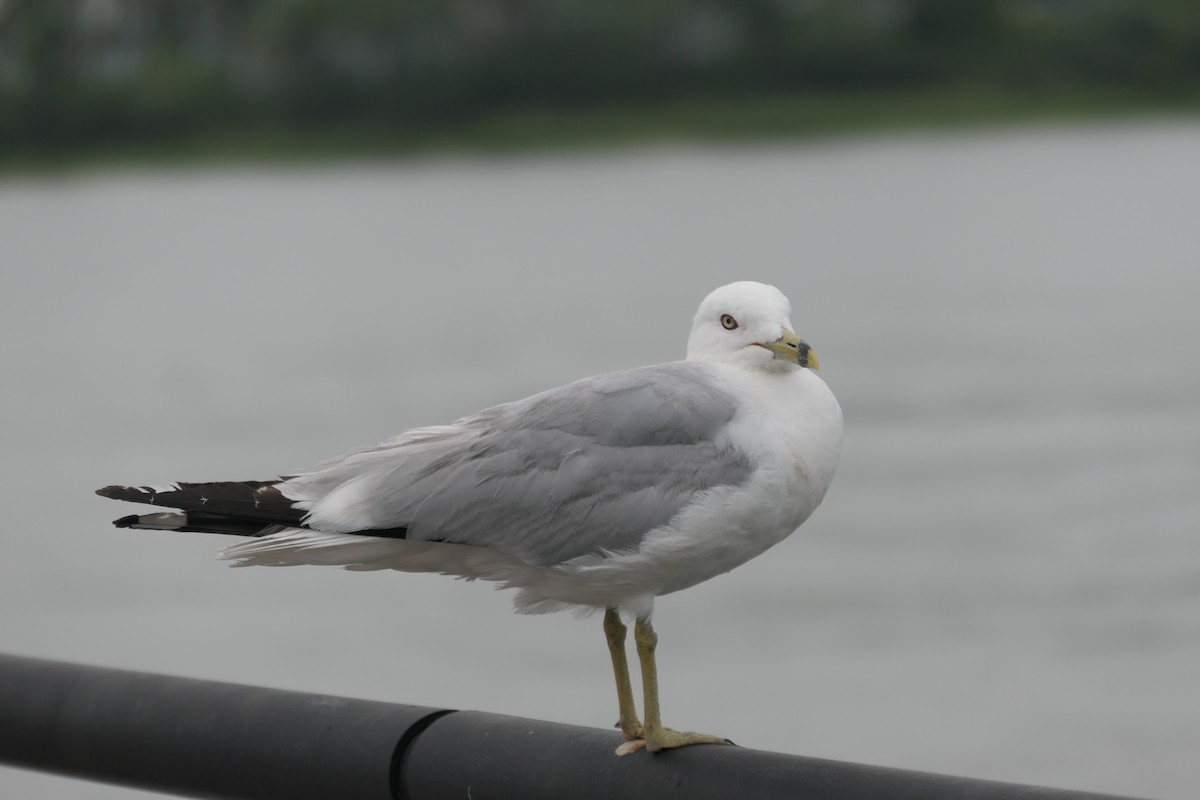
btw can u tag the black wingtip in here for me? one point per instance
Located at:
(132, 494)
(123, 522)
(260, 501)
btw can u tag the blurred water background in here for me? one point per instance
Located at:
(1004, 581)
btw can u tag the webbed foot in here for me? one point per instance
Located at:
(666, 738)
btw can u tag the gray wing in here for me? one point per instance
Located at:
(589, 466)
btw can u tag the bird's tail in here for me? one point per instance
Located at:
(279, 537)
(242, 508)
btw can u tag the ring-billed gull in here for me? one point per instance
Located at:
(601, 494)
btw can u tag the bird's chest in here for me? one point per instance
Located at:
(794, 438)
(793, 427)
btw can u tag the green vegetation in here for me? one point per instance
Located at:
(146, 79)
(706, 119)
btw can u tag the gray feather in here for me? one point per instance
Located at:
(590, 466)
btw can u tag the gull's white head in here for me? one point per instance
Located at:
(747, 323)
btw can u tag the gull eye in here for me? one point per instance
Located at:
(728, 322)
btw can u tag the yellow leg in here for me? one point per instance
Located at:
(655, 736)
(614, 631)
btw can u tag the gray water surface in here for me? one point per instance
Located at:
(1004, 581)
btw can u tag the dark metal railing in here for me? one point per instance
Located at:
(220, 740)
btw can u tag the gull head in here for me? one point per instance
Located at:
(747, 323)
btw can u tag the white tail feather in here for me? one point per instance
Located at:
(543, 589)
